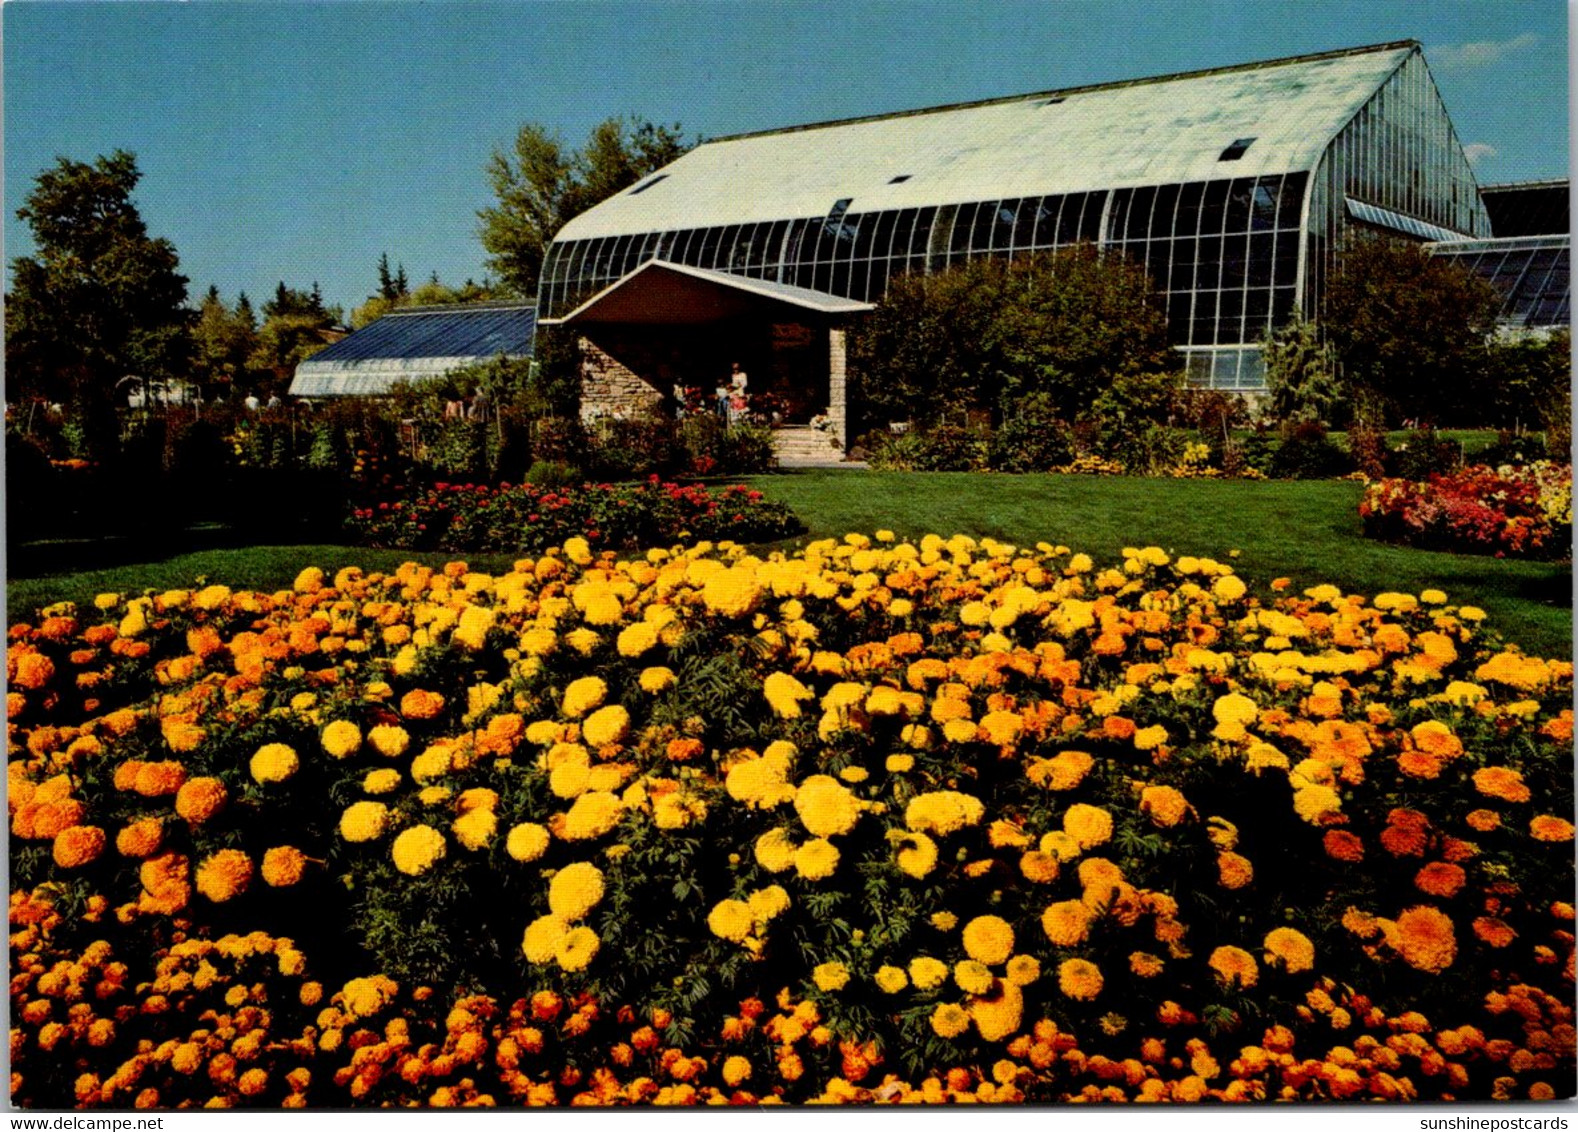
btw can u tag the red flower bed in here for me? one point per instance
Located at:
(477, 517)
(1523, 512)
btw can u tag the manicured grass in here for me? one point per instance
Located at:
(1306, 531)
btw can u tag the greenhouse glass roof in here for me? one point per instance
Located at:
(1528, 208)
(1533, 274)
(411, 344)
(1244, 121)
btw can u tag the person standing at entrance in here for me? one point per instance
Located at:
(737, 379)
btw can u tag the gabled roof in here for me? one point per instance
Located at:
(660, 291)
(1172, 128)
(415, 343)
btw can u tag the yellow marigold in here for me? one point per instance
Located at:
(918, 855)
(283, 866)
(274, 762)
(418, 849)
(1079, 979)
(433, 795)
(942, 812)
(830, 977)
(825, 807)
(656, 679)
(1235, 708)
(200, 799)
(817, 859)
(899, 764)
(341, 739)
(784, 694)
(1548, 827)
(765, 903)
(1424, 937)
(1312, 803)
(365, 997)
(575, 890)
(591, 815)
(1165, 805)
(736, 1071)
(731, 920)
(577, 948)
(775, 851)
(78, 845)
(224, 875)
(1023, 970)
(1290, 948)
(1088, 825)
(972, 977)
(998, 1015)
(364, 821)
(1145, 965)
(1149, 738)
(542, 937)
(733, 592)
(1067, 923)
(989, 940)
(606, 726)
(950, 1020)
(583, 695)
(475, 829)
(891, 979)
(1234, 966)
(944, 921)
(1002, 727)
(526, 842)
(927, 973)
(384, 780)
(389, 740)
(636, 639)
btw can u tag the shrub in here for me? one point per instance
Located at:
(1032, 438)
(1308, 453)
(553, 474)
(1367, 448)
(1424, 454)
(942, 448)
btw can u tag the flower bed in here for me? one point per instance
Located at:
(1520, 512)
(475, 517)
(876, 823)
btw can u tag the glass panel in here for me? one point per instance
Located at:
(1136, 225)
(882, 234)
(867, 234)
(1235, 255)
(878, 284)
(920, 236)
(1188, 222)
(963, 230)
(1090, 219)
(1213, 207)
(1181, 277)
(1262, 247)
(1263, 207)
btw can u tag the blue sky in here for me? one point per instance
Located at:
(300, 140)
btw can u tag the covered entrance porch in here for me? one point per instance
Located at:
(667, 334)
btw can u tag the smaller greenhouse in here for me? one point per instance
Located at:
(416, 343)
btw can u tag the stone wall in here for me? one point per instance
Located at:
(610, 387)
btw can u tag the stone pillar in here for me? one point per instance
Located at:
(837, 397)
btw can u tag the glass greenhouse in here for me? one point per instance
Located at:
(1232, 186)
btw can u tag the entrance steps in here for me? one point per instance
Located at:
(800, 447)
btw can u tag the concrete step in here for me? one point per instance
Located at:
(805, 448)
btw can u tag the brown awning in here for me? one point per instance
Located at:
(663, 293)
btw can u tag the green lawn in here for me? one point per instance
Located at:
(1307, 531)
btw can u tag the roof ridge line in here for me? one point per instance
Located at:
(1287, 60)
(485, 304)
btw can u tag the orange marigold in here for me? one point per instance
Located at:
(140, 838)
(421, 704)
(200, 799)
(1340, 845)
(1290, 948)
(1424, 937)
(78, 845)
(1234, 870)
(1483, 821)
(1548, 827)
(1501, 782)
(1440, 879)
(283, 866)
(1079, 979)
(154, 780)
(1493, 931)
(1404, 841)
(1234, 966)
(225, 874)
(1165, 805)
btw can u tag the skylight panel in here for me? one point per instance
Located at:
(648, 183)
(1239, 147)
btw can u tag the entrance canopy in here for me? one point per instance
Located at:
(663, 293)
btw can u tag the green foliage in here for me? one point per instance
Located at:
(99, 300)
(1301, 373)
(1129, 421)
(988, 332)
(945, 447)
(1307, 452)
(222, 342)
(541, 185)
(1412, 329)
(1530, 381)
(1032, 438)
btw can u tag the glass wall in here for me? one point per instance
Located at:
(1533, 274)
(1401, 154)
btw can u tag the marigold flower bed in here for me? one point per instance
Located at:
(474, 517)
(879, 822)
(1518, 512)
